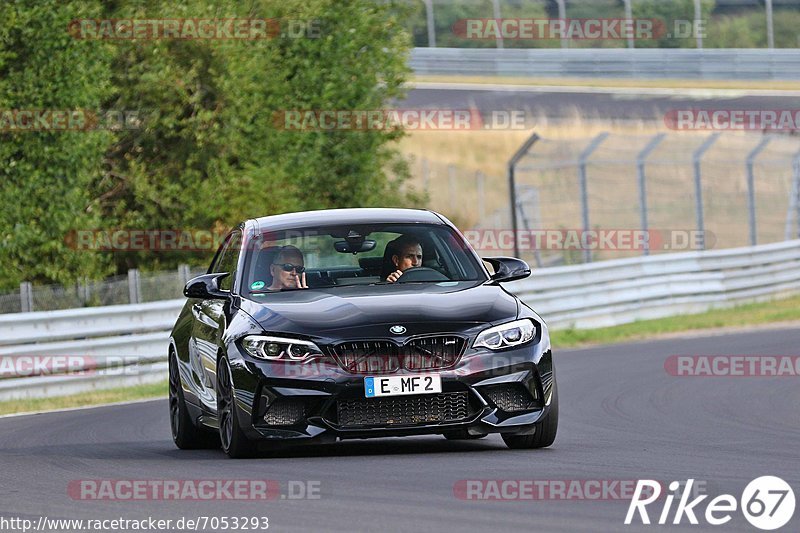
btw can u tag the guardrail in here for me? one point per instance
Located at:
(101, 347)
(625, 290)
(644, 63)
(127, 344)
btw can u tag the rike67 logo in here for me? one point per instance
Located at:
(767, 503)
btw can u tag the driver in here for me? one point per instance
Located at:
(288, 270)
(408, 254)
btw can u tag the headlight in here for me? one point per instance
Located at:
(280, 348)
(506, 335)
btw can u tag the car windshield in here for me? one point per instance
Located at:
(341, 256)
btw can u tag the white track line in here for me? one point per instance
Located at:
(68, 409)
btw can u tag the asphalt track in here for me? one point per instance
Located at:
(622, 418)
(593, 103)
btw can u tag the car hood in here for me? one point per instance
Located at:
(368, 311)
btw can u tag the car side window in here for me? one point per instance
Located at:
(228, 259)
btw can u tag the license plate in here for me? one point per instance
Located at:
(402, 385)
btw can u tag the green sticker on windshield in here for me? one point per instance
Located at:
(256, 285)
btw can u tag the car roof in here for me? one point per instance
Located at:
(364, 215)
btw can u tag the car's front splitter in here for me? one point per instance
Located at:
(319, 423)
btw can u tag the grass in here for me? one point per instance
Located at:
(610, 82)
(784, 310)
(97, 397)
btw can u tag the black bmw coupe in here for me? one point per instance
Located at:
(356, 323)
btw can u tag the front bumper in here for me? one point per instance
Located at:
(486, 392)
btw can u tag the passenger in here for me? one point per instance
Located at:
(288, 270)
(408, 254)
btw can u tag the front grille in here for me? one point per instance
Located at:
(509, 398)
(430, 408)
(380, 357)
(285, 412)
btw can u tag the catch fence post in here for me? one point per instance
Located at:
(698, 187)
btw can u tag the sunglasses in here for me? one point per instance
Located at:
(288, 267)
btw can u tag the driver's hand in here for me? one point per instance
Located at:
(300, 281)
(394, 276)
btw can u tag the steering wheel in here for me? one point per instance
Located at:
(422, 274)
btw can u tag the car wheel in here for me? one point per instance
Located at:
(186, 435)
(461, 434)
(545, 433)
(234, 442)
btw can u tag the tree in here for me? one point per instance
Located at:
(45, 174)
(206, 152)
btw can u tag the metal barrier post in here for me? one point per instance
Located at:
(480, 181)
(642, 178)
(698, 187)
(797, 193)
(562, 14)
(431, 23)
(26, 297)
(183, 274)
(792, 212)
(496, 15)
(426, 176)
(531, 193)
(451, 187)
(629, 16)
(770, 26)
(582, 160)
(512, 187)
(698, 15)
(751, 188)
(134, 290)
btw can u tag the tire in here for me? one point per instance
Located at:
(545, 433)
(185, 434)
(234, 442)
(461, 434)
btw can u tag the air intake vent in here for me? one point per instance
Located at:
(430, 408)
(385, 356)
(509, 397)
(285, 412)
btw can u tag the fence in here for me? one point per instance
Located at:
(469, 198)
(135, 287)
(748, 185)
(719, 190)
(590, 295)
(725, 23)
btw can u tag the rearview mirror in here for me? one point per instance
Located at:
(354, 247)
(206, 287)
(508, 269)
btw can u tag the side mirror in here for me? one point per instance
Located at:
(508, 269)
(206, 287)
